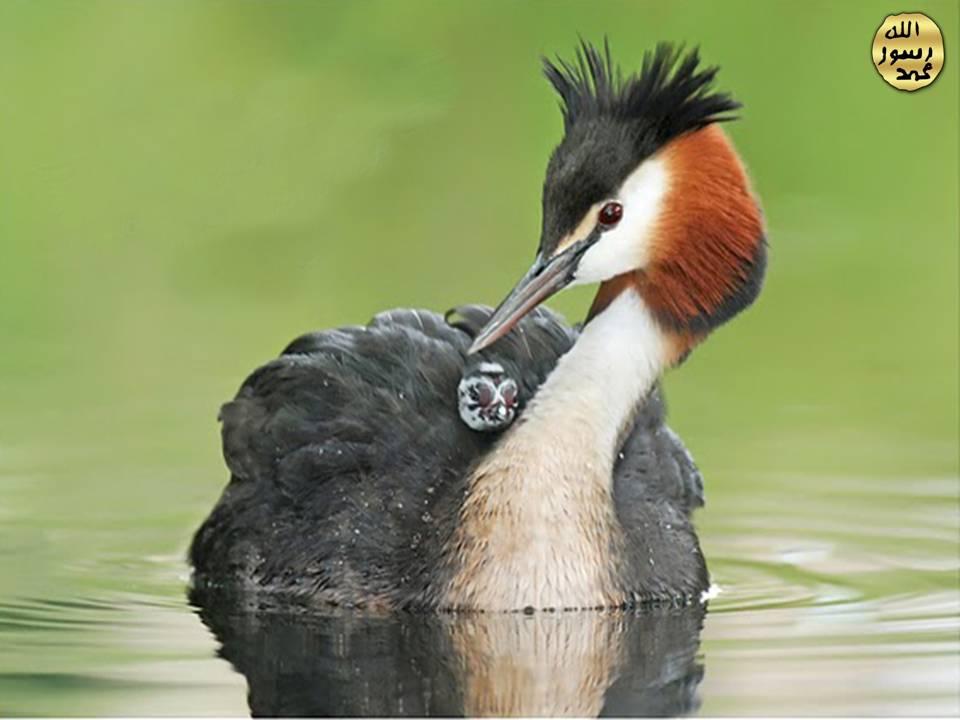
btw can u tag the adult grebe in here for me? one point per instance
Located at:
(354, 480)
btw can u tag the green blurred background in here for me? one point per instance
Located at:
(185, 186)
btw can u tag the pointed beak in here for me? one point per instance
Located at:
(544, 279)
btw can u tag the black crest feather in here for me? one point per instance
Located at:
(670, 95)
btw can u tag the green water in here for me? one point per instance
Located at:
(184, 186)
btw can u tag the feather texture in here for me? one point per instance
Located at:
(348, 463)
(670, 95)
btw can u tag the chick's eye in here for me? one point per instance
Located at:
(610, 214)
(484, 394)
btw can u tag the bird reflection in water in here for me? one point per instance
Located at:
(619, 663)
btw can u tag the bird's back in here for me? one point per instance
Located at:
(349, 460)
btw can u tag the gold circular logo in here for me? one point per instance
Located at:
(908, 51)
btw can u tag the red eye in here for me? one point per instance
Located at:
(610, 214)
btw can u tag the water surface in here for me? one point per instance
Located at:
(821, 610)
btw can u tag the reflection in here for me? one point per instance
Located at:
(592, 663)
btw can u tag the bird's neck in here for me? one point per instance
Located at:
(596, 387)
(538, 527)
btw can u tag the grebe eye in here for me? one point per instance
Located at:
(610, 214)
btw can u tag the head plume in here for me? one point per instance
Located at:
(670, 95)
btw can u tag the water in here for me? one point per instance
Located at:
(187, 186)
(821, 610)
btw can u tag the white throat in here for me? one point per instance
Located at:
(538, 527)
(615, 361)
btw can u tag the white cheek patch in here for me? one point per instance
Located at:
(626, 247)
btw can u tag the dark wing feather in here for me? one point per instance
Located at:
(656, 489)
(348, 457)
(654, 464)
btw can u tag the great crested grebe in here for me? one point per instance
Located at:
(359, 472)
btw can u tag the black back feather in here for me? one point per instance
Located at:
(348, 464)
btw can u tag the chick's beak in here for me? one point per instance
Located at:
(545, 278)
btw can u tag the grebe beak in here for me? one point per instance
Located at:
(545, 278)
